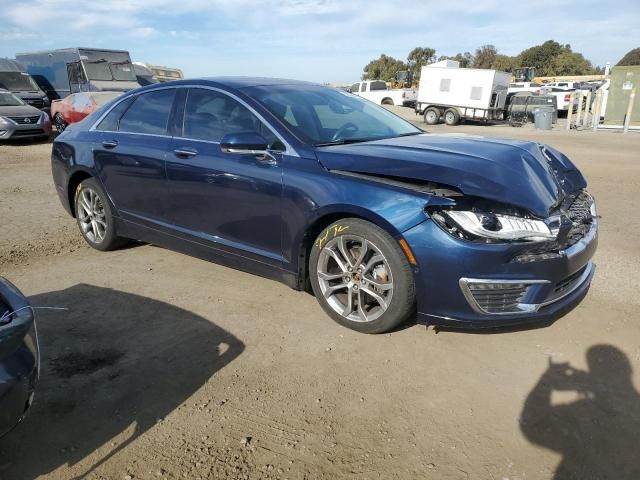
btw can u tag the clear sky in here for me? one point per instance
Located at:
(319, 40)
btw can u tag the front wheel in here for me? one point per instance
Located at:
(361, 277)
(94, 216)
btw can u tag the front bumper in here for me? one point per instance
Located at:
(19, 359)
(538, 291)
(12, 131)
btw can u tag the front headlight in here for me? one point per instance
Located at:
(494, 226)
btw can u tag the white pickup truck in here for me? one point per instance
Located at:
(377, 92)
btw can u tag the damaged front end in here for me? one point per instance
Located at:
(482, 221)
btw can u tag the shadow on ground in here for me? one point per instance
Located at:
(113, 362)
(596, 431)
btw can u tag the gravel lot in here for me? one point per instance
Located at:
(166, 366)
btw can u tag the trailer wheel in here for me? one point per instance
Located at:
(431, 116)
(451, 117)
(387, 101)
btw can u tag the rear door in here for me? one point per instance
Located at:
(229, 201)
(130, 157)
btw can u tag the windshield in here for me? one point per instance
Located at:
(102, 70)
(17, 82)
(324, 116)
(123, 71)
(98, 70)
(8, 99)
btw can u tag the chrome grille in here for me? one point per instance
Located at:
(579, 212)
(35, 102)
(497, 297)
(30, 120)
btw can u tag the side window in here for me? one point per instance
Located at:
(355, 88)
(363, 87)
(210, 115)
(149, 113)
(110, 122)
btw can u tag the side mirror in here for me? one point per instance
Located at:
(244, 143)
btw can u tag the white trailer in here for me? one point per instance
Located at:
(449, 92)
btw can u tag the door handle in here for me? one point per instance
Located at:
(185, 152)
(109, 144)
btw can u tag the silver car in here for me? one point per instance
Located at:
(19, 120)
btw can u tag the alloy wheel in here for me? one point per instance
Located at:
(355, 278)
(91, 215)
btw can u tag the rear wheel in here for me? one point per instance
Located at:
(94, 216)
(431, 116)
(59, 122)
(361, 277)
(451, 117)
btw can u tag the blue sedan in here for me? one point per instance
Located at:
(326, 191)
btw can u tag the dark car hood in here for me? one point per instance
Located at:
(514, 172)
(18, 111)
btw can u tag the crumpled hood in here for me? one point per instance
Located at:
(514, 172)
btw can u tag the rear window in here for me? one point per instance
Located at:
(378, 86)
(149, 113)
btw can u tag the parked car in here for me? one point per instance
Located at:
(378, 92)
(313, 186)
(19, 120)
(19, 356)
(14, 78)
(77, 106)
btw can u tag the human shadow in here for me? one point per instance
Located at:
(596, 433)
(113, 365)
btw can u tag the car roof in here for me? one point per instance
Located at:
(233, 82)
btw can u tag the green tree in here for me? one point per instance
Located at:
(418, 58)
(505, 63)
(485, 56)
(632, 57)
(465, 59)
(383, 68)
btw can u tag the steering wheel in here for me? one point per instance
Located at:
(347, 127)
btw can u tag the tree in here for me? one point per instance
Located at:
(505, 63)
(465, 59)
(632, 57)
(383, 68)
(552, 58)
(418, 58)
(485, 57)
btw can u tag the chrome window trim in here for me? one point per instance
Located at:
(289, 150)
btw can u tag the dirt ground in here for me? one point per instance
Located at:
(166, 366)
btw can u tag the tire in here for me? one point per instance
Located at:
(94, 212)
(451, 117)
(383, 271)
(431, 116)
(387, 101)
(59, 122)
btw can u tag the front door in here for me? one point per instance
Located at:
(228, 201)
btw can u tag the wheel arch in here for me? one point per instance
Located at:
(387, 101)
(322, 220)
(75, 179)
